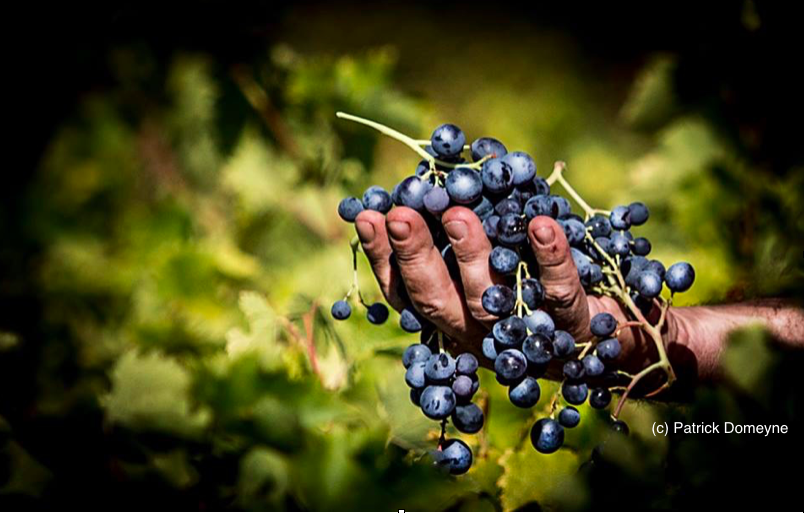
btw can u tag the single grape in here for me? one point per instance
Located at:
(489, 347)
(511, 230)
(466, 364)
(639, 213)
(574, 230)
(377, 198)
(547, 436)
(649, 284)
(620, 218)
(619, 426)
(415, 353)
(631, 267)
(522, 165)
(540, 321)
(559, 206)
(510, 332)
(594, 276)
(538, 205)
(497, 175)
(448, 140)
(455, 456)
(409, 320)
(582, 263)
(657, 267)
(510, 365)
(538, 348)
(436, 200)
(592, 365)
(498, 300)
(440, 368)
(464, 185)
(540, 186)
(609, 349)
(532, 293)
(377, 313)
(415, 375)
(600, 226)
(438, 402)
(490, 226)
(348, 208)
(341, 310)
(508, 206)
(503, 260)
(603, 324)
(563, 344)
(599, 398)
(468, 418)
(604, 243)
(569, 417)
(487, 146)
(525, 394)
(448, 254)
(463, 388)
(411, 191)
(641, 246)
(482, 207)
(573, 369)
(422, 168)
(679, 277)
(574, 393)
(619, 245)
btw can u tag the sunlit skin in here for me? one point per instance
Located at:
(455, 306)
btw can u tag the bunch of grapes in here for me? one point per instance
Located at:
(505, 192)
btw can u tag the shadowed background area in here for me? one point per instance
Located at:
(169, 246)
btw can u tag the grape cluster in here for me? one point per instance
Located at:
(505, 192)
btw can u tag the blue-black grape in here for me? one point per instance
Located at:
(538, 205)
(522, 165)
(503, 260)
(547, 436)
(489, 347)
(619, 245)
(438, 402)
(463, 387)
(448, 254)
(464, 185)
(377, 313)
(455, 456)
(599, 398)
(415, 353)
(490, 226)
(532, 293)
(410, 192)
(604, 243)
(641, 246)
(679, 277)
(574, 230)
(436, 200)
(603, 324)
(618, 426)
(498, 300)
(649, 284)
(540, 186)
(487, 146)
(620, 218)
(582, 263)
(510, 365)
(540, 321)
(415, 396)
(482, 207)
(574, 370)
(639, 213)
(559, 206)
(508, 206)
(526, 393)
(410, 321)
(538, 348)
(468, 418)
(377, 198)
(497, 176)
(563, 344)
(592, 365)
(657, 267)
(608, 349)
(415, 375)
(348, 208)
(466, 364)
(600, 226)
(631, 267)
(511, 230)
(594, 276)
(510, 332)
(448, 140)
(341, 310)
(569, 417)
(574, 393)
(440, 368)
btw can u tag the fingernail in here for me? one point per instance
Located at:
(456, 230)
(400, 230)
(365, 231)
(545, 235)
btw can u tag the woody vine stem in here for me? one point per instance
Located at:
(616, 286)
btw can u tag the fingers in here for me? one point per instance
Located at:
(564, 295)
(370, 226)
(472, 248)
(431, 289)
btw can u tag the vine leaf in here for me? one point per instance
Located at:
(261, 336)
(546, 479)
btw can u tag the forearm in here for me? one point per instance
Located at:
(696, 336)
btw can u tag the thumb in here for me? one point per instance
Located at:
(565, 298)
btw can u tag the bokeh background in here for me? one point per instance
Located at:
(169, 246)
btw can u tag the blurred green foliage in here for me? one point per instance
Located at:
(190, 251)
